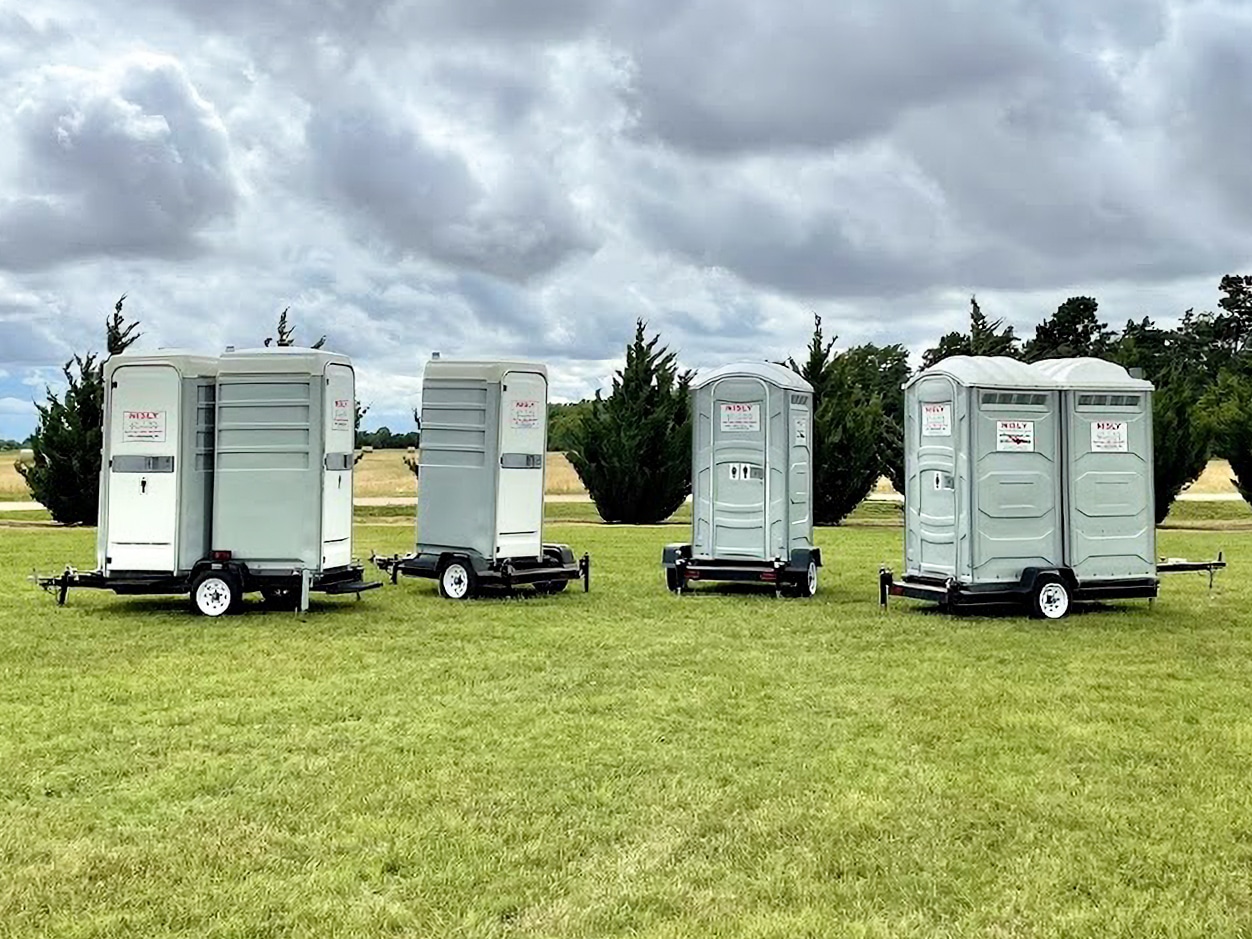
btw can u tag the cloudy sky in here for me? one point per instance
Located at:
(526, 177)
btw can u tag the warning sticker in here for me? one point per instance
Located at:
(143, 426)
(342, 417)
(1109, 437)
(1015, 436)
(801, 432)
(524, 414)
(740, 418)
(936, 420)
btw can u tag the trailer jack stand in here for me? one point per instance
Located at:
(584, 569)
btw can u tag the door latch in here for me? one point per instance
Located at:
(143, 485)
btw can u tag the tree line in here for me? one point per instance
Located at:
(632, 447)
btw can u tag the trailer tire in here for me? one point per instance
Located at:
(805, 584)
(1050, 598)
(215, 593)
(551, 586)
(457, 580)
(673, 579)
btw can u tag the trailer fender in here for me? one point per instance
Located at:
(673, 554)
(1031, 575)
(561, 553)
(800, 558)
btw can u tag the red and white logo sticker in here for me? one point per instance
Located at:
(342, 416)
(525, 414)
(1015, 436)
(143, 426)
(936, 419)
(1109, 437)
(740, 418)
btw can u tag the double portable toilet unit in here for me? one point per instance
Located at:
(221, 476)
(481, 482)
(752, 483)
(1028, 483)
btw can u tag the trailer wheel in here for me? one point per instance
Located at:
(806, 583)
(551, 586)
(457, 581)
(215, 593)
(673, 579)
(1050, 599)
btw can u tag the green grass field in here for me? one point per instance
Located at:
(624, 762)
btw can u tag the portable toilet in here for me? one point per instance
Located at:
(285, 436)
(156, 468)
(484, 428)
(1109, 497)
(752, 484)
(995, 453)
(222, 476)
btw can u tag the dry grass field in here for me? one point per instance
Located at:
(380, 473)
(383, 473)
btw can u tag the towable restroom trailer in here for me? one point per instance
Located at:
(752, 482)
(484, 428)
(225, 475)
(1028, 484)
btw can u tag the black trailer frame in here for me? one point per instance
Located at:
(954, 597)
(462, 573)
(791, 575)
(228, 580)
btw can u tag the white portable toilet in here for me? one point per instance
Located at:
(752, 483)
(156, 468)
(484, 431)
(285, 435)
(224, 476)
(1026, 483)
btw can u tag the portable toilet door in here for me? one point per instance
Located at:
(522, 444)
(1110, 530)
(735, 443)
(799, 489)
(339, 417)
(933, 425)
(1017, 473)
(143, 424)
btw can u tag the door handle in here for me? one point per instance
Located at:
(143, 485)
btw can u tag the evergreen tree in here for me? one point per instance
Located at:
(1169, 359)
(64, 475)
(985, 337)
(632, 450)
(1073, 330)
(885, 369)
(848, 425)
(1227, 413)
(287, 333)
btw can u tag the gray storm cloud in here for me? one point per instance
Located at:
(528, 178)
(131, 161)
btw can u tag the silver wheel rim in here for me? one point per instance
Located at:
(812, 578)
(1053, 601)
(213, 596)
(455, 581)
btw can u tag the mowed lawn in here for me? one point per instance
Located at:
(624, 762)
